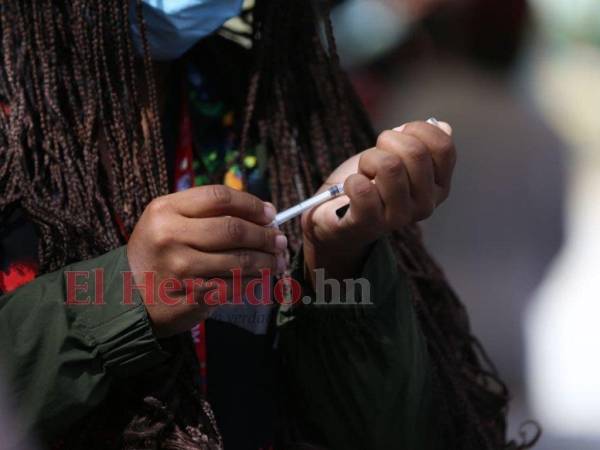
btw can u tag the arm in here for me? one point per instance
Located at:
(59, 359)
(359, 376)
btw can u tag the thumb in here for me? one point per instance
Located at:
(366, 207)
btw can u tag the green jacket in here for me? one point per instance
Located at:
(356, 376)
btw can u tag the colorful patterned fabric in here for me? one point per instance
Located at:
(16, 275)
(207, 153)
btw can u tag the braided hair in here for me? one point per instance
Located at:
(304, 107)
(81, 153)
(69, 81)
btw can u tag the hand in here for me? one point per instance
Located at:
(398, 182)
(202, 232)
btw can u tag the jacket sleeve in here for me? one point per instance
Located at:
(66, 336)
(357, 370)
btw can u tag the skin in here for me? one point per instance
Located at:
(398, 182)
(200, 233)
(206, 231)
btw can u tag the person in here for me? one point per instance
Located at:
(106, 107)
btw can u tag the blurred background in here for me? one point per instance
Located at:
(519, 237)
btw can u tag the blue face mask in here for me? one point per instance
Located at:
(174, 26)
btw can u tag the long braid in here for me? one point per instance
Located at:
(304, 94)
(81, 153)
(66, 103)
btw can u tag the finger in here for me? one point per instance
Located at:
(391, 180)
(419, 167)
(214, 234)
(366, 206)
(219, 200)
(441, 146)
(444, 126)
(213, 291)
(192, 263)
(235, 291)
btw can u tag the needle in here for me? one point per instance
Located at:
(334, 191)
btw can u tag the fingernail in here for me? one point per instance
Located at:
(270, 212)
(281, 264)
(400, 128)
(281, 242)
(444, 126)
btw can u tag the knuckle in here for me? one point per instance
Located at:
(235, 230)
(268, 238)
(257, 206)
(362, 159)
(178, 265)
(417, 151)
(359, 196)
(245, 260)
(160, 233)
(359, 186)
(445, 148)
(220, 194)
(411, 127)
(157, 206)
(393, 165)
(387, 139)
(446, 145)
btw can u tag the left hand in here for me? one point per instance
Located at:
(398, 182)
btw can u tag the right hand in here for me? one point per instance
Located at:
(202, 232)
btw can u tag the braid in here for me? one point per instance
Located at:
(82, 155)
(306, 112)
(67, 103)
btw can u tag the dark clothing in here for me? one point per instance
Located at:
(352, 376)
(60, 359)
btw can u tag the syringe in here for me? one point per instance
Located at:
(334, 191)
